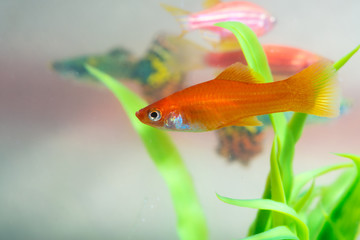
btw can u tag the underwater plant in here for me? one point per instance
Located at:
(289, 208)
(191, 222)
(286, 210)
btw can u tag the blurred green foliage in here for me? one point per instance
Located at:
(191, 222)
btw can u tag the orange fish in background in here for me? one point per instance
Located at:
(237, 96)
(283, 60)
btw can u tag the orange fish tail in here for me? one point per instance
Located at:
(315, 90)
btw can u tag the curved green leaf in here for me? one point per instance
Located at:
(296, 125)
(286, 155)
(277, 233)
(345, 218)
(277, 190)
(256, 59)
(293, 132)
(330, 197)
(303, 178)
(304, 200)
(191, 222)
(268, 204)
(262, 219)
(252, 49)
(346, 58)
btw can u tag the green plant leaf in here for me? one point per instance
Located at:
(293, 133)
(344, 59)
(268, 204)
(277, 190)
(252, 49)
(286, 152)
(299, 205)
(286, 155)
(190, 218)
(330, 196)
(277, 233)
(345, 217)
(282, 155)
(262, 219)
(306, 202)
(256, 59)
(296, 125)
(303, 178)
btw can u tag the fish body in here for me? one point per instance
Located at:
(283, 60)
(119, 62)
(167, 55)
(288, 60)
(254, 16)
(237, 96)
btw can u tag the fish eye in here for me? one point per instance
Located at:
(154, 115)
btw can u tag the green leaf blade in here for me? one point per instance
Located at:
(345, 218)
(346, 58)
(256, 59)
(267, 204)
(277, 189)
(191, 222)
(277, 233)
(303, 178)
(253, 51)
(330, 197)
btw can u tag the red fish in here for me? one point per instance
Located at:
(283, 60)
(237, 96)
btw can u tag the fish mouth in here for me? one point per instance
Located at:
(137, 114)
(273, 20)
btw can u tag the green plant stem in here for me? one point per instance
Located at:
(191, 224)
(262, 218)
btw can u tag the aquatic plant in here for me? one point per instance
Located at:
(191, 222)
(286, 209)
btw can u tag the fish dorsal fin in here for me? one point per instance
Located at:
(249, 121)
(174, 10)
(210, 3)
(240, 72)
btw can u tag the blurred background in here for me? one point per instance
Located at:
(72, 167)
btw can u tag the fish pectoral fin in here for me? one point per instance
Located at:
(249, 121)
(240, 72)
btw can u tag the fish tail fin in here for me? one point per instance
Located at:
(315, 90)
(182, 16)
